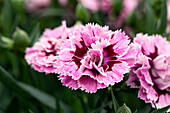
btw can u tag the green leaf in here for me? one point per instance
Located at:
(6, 17)
(97, 18)
(41, 96)
(124, 109)
(150, 19)
(35, 34)
(26, 91)
(52, 12)
(117, 6)
(136, 111)
(115, 104)
(82, 13)
(168, 38)
(13, 58)
(163, 110)
(7, 98)
(18, 5)
(58, 109)
(163, 18)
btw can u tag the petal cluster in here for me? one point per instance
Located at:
(151, 73)
(94, 57)
(43, 55)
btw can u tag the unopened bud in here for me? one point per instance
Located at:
(21, 39)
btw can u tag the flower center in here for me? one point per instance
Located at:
(50, 50)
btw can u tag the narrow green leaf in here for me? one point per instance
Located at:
(168, 38)
(58, 109)
(13, 58)
(117, 6)
(136, 111)
(7, 98)
(35, 34)
(6, 17)
(163, 110)
(41, 96)
(65, 107)
(163, 18)
(14, 25)
(124, 109)
(98, 18)
(50, 12)
(150, 19)
(26, 91)
(115, 104)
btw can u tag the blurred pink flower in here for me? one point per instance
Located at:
(92, 5)
(95, 5)
(106, 5)
(168, 10)
(94, 57)
(128, 7)
(43, 55)
(36, 5)
(151, 73)
(63, 2)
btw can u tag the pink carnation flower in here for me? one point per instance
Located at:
(42, 56)
(151, 73)
(94, 57)
(36, 5)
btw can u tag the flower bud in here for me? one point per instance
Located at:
(21, 39)
(124, 109)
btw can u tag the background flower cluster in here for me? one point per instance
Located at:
(113, 56)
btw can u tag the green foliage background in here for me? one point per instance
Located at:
(23, 90)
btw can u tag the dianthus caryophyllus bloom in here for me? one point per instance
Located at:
(151, 73)
(42, 56)
(94, 57)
